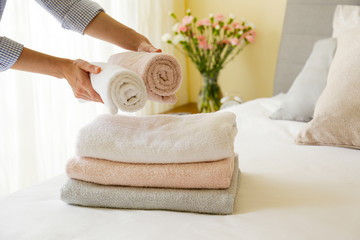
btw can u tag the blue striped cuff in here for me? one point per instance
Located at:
(80, 15)
(9, 53)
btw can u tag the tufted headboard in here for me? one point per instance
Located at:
(306, 21)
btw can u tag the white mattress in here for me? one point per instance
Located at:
(287, 192)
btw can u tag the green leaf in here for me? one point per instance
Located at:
(173, 15)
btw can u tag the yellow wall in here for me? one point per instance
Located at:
(183, 93)
(252, 72)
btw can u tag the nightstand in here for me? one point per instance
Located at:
(189, 108)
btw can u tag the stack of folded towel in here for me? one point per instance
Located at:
(168, 162)
(128, 79)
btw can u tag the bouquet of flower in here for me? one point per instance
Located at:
(210, 43)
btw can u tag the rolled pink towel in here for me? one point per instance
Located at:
(210, 175)
(161, 73)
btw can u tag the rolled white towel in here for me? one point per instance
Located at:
(119, 88)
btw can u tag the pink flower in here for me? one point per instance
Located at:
(204, 22)
(219, 17)
(237, 26)
(216, 26)
(201, 38)
(187, 20)
(202, 42)
(226, 27)
(210, 47)
(250, 38)
(250, 35)
(234, 41)
(225, 41)
(252, 32)
(203, 45)
(182, 28)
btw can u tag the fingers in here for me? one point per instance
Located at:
(83, 88)
(93, 95)
(151, 48)
(81, 95)
(157, 50)
(87, 66)
(89, 90)
(98, 98)
(88, 94)
(79, 80)
(147, 47)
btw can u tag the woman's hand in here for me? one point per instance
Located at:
(146, 46)
(76, 72)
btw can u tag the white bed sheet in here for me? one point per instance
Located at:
(286, 191)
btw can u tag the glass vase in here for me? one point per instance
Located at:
(210, 94)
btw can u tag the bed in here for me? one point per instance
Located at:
(286, 191)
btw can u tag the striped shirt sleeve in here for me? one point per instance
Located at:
(9, 53)
(74, 15)
(2, 6)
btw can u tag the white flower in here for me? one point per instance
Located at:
(217, 27)
(211, 15)
(175, 28)
(166, 37)
(250, 24)
(241, 32)
(231, 16)
(188, 11)
(178, 38)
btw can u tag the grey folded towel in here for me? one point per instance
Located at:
(87, 194)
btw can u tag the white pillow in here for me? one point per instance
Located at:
(346, 17)
(337, 113)
(299, 102)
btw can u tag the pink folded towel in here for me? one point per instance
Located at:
(160, 72)
(210, 175)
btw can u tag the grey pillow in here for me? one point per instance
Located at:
(299, 102)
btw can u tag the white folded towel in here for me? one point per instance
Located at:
(159, 138)
(119, 88)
